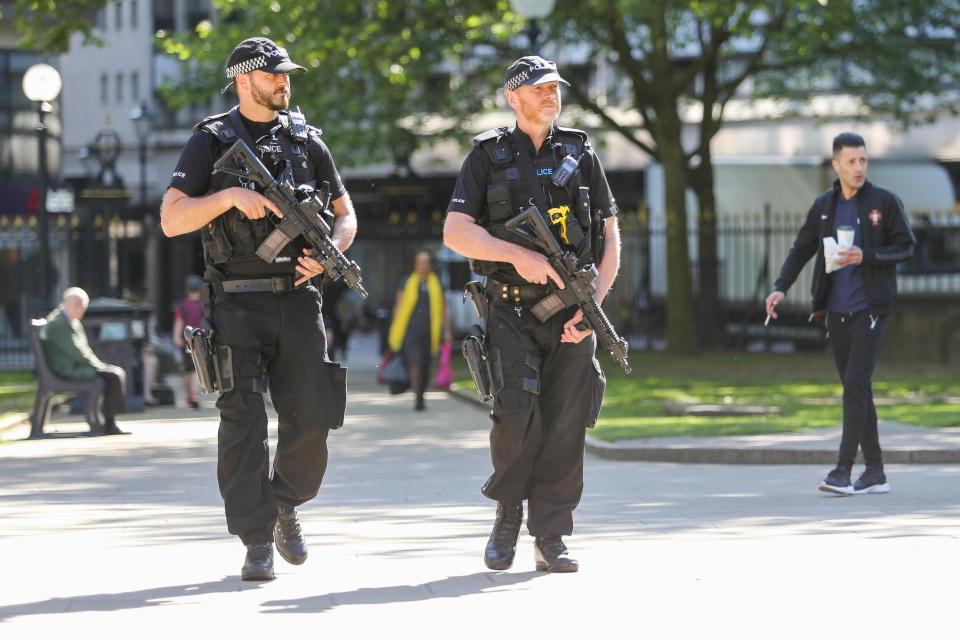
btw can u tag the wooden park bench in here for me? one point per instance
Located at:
(49, 385)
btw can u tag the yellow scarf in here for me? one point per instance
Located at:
(398, 328)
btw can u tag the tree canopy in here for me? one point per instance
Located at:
(387, 75)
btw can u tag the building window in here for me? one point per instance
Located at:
(163, 15)
(133, 14)
(119, 87)
(101, 19)
(103, 88)
(118, 6)
(135, 86)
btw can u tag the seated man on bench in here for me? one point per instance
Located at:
(70, 356)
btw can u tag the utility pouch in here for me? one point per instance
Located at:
(476, 357)
(223, 366)
(333, 395)
(582, 206)
(598, 239)
(219, 247)
(498, 201)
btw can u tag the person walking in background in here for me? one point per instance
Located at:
(419, 317)
(189, 313)
(69, 355)
(856, 289)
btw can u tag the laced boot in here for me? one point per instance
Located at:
(288, 536)
(551, 555)
(258, 565)
(502, 545)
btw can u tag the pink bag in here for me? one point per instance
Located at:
(444, 367)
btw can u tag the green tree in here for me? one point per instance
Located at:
(898, 57)
(384, 76)
(388, 75)
(47, 25)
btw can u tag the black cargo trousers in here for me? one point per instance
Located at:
(277, 340)
(549, 394)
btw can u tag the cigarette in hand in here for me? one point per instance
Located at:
(767, 321)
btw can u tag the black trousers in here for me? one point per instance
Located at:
(114, 392)
(855, 339)
(551, 393)
(279, 338)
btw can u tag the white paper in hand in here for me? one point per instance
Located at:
(830, 249)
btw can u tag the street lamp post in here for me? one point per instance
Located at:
(532, 10)
(42, 84)
(141, 117)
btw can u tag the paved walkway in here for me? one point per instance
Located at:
(124, 537)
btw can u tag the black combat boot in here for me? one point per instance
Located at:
(288, 536)
(258, 564)
(551, 555)
(502, 545)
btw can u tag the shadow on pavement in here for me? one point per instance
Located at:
(124, 600)
(450, 587)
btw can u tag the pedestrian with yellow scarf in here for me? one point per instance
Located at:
(419, 318)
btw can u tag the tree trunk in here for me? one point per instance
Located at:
(681, 323)
(708, 301)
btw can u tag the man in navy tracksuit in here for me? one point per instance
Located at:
(857, 297)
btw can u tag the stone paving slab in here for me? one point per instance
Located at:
(124, 537)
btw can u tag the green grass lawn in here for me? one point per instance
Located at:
(17, 389)
(804, 386)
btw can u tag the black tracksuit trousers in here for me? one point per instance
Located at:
(855, 339)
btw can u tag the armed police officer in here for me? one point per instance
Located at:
(268, 331)
(546, 381)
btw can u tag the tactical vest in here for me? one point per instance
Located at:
(232, 237)
(509, 192)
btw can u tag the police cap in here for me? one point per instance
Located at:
(531, 70)
(258, 53)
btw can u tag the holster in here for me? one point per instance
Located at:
(475, 290)
(214, 364)
(475, 354)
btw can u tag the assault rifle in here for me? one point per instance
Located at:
(302, 211)
(579, 283)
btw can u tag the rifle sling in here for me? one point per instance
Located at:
(234, 117)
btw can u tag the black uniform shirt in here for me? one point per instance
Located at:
(470, 193)
(192, 175)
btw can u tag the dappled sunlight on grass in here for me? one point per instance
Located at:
(803, 386)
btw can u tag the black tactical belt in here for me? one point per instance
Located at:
(516, 292)
(278, 284)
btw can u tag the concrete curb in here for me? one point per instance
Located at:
(733, 455)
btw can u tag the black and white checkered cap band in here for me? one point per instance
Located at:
(516, 81)
(246, 66)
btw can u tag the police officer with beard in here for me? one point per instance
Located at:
(266, 317)
(547, 383)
